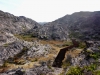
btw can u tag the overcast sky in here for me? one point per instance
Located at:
(47, 10)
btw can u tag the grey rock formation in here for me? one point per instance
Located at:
(38, 50)
(35, 49)
(7, 38)
(10, 50)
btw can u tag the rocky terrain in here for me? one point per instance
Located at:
(29, 48)
(82, 25)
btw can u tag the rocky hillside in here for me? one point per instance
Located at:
(13, 24)
(19, 51)
(22, 52)
(84, 25)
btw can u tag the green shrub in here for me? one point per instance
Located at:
(79, 71)
(74, 34)
(25, 37)
(75, 71)
(82, 45)
(96, 73)
(66, 64)
(95, 55)
(67, 43)
(6, 45)
(91, 67)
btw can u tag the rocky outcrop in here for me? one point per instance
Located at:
(6, 38)
(89, 55)
(10, 50)
(22, 49)
(38, 50)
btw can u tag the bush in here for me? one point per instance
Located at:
(95, 55)
(96, 73)
(75, 71)
(91, 67)
(82, 45)
(6, 45)
(67, 43)
(80, 71)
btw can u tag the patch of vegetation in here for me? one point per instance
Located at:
(5, 64)
(67, 43)
(66, 64)
(75, 71)
(79, 71)
(61, 73)
(99, 48)
(24, 50)
(19, 62)
(74, 34)
(89, 51)
(96, 73)
(42, 74)
(91, 67)
(82, 45)
(33, 59)
(25, 37)
(6, 44)
(95, 55)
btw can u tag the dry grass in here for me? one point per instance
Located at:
(25, 37)
(74, 52)
(25, 66)
(49, 57)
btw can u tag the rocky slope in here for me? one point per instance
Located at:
(84, 25)
(13, 24)
(14, 49)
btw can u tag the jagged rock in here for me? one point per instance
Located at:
(84, 57)
(6, 38)
(38, 50)
(79, 61)
(34, 49)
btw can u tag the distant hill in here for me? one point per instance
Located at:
(82, 25)
(42, 23)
